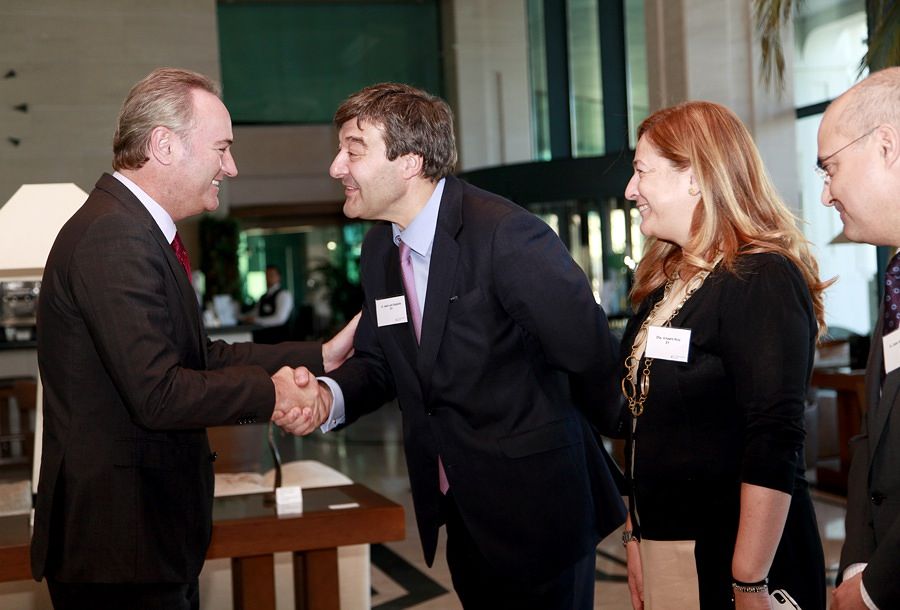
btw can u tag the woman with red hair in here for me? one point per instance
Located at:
(717, 360)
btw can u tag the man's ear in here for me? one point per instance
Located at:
(412, 165)
(162, 144)
(888, 139)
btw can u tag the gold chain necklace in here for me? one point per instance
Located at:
(636, 394)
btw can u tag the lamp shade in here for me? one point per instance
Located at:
(29, 223)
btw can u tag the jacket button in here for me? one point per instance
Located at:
(213, 456)
(877, 498)
(429, 412)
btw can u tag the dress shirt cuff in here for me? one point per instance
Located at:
(852, 570)
(865, 596)
(337, 405)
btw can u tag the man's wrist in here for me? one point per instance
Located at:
(335, 411)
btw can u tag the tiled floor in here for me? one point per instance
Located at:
(370, 452)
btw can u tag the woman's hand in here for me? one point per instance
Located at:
(635, 575)
(752, 601)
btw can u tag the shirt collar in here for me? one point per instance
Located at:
(419, 235)
(162, 218)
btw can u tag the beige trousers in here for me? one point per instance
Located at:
(670, 575)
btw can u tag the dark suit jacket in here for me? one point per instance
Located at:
(508, 318)
(873, 494)
(130, 383)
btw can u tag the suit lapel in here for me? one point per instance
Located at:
(441, 279)
(189, 300)
(188, 297)
(881, 395)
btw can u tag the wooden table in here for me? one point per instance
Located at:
(246, 529)
(851, 404)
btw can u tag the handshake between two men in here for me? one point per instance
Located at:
(302, 404)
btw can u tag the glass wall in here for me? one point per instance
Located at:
(830, 40)
(537, 69)
(584, 73)
(605, 240)
(636, 52)
(585, 78)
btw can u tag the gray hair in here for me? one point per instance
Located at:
(161, 99)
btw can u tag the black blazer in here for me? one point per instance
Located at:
(873, 488)
(508, 318)
(130, 383)
(731, 414)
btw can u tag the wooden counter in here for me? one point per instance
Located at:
(246, 529)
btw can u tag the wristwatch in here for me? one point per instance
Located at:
(628, 536)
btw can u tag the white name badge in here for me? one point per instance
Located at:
(390, 311)
(891, 343)
(668, 343)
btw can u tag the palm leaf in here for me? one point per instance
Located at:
(770, 17)
(884, 44)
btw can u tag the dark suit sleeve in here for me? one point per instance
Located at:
(220, 354)
(365, 379)
(860, 546)
(767, 336)
(147, 340)
(548, 295)
(881, 574)
(859, 539)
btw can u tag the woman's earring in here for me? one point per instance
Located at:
(693, 191)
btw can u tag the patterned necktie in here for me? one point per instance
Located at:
(409, 285)
(182, 254)
(892, 295)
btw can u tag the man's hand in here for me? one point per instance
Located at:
(340, 347)
(849, 596)
(305, 403)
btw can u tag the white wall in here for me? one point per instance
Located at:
(706, 49)
(489, 47)
(75, 62)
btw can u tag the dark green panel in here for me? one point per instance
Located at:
(295, 63)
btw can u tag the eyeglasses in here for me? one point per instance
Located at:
(820, 163)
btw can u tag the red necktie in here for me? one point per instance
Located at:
(182, 254)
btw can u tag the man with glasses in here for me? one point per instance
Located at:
(859, 160)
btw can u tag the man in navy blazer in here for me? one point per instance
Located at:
(124, 505)
(499, 356)
(859, 159)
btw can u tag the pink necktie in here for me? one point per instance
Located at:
(182, 254)
(409, 285)
(412, 298)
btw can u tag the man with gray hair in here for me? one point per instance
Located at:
(124, 505)
(859, 160)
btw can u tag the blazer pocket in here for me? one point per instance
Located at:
(464, 303)
(552, 436)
